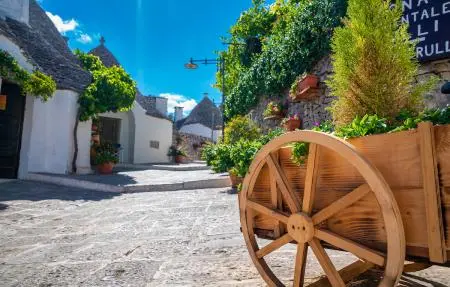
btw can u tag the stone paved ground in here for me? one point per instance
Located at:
(54, 236)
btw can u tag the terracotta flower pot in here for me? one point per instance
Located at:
(309, 81)
(180, 159)
(105, 168)
(292, 125)
(235, 180)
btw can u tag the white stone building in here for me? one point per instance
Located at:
(37, 137)
(205, 120)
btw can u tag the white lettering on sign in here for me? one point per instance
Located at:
(429, 23)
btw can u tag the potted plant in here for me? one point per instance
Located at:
(106, 158)
(291, 123)
(274, 110)
(236, 180)
(305, 87)
(178, 154)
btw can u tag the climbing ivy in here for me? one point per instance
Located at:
(299, 36)
(35, 84)
(111, 90)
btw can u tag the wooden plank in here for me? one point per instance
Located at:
(267, 211)
(283, 183)
(357, 249)
(300, 264)
(311, 179)
(341, 203)
(274, 196)
(327, 266)
(435, 228)
(274, 245)
(347, 273)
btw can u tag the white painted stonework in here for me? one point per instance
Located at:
(201, 130)
(15, 9)
(137, 130)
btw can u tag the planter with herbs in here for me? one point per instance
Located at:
(291, 123)
(274, 111)
(106, 157)
(305, 88)
(178, 155)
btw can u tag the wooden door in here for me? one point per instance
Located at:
(12, 105)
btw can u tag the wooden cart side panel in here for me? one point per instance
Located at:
(442, 143)
(435, 230)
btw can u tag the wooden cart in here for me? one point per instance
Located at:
(384, 198)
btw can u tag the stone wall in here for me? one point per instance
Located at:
(190, 143)
(314, 111)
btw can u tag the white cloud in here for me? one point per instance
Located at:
(63, 26)
(174, 100)
(84, 38)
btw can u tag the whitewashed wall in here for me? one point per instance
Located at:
(200, 130)
(151, 129)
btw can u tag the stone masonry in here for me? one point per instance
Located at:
(314, 111)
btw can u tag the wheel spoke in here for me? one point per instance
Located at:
(267, 211)
(341, 203)
(283, 184)
(311, 179)
(327, 266)
(357, 249)
(300, 264)
(274, 245)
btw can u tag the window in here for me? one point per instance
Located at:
(154, 144)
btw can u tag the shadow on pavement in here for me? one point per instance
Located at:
(34, 191)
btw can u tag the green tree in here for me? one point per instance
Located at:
(374, 64)
(111, 90)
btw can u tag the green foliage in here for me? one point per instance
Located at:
(106, 153)
(35, 84)
(218, 157)
(242, 155)
(175, 151)
(359, 127)
(374, 64)
(300, 36)
(241, 128)
(300, 152)
(112, 89)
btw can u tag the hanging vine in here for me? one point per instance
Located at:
(35, 84)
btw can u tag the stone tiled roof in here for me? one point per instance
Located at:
(46, 49)
(105, 54)
(148, 103)
(203, 114)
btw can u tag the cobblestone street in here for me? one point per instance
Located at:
(55, 236)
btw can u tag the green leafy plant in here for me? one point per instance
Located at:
(374, 64)
(359, 127)
(273, 108)
(298, 38)
(242, 155)
(105, 153)
(175, 151)
(241, 127)
(35, 84)
(221, 162)
(300, 152)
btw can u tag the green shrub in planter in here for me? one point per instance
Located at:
(241, 127)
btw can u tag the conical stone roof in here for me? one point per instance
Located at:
(205, 113)
(105, 54)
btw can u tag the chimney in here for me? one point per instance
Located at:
(178, 114)
(161, 105)
(18, 10)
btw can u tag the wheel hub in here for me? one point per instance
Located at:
(300, 227)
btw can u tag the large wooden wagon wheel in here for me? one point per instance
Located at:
(303, 226)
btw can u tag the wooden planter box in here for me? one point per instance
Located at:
(307, 89)
(407, 212)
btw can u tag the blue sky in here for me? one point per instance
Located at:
(153, 39)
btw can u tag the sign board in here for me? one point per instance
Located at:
(3, 102)
(429, 22)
